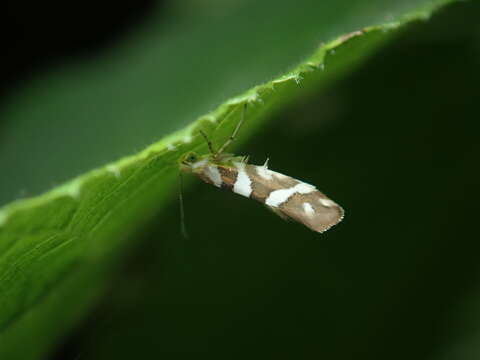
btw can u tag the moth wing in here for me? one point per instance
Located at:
(279, 212)
(314, 210)
(311, 208)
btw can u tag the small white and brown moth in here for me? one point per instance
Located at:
(285, 196)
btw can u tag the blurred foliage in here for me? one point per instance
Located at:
(246, 282)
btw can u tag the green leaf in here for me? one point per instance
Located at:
(58, 250)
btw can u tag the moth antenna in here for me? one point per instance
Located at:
(182, 210)
(209, 143)
(234, 134)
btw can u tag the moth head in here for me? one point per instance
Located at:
(192, 162)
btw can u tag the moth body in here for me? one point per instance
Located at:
(287, 197)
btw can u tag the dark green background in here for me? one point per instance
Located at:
(397, 144)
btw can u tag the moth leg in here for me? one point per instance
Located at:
(234, 134)
(209, 143)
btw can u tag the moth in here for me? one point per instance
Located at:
(285, 196)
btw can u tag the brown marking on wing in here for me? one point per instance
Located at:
(229, 176)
